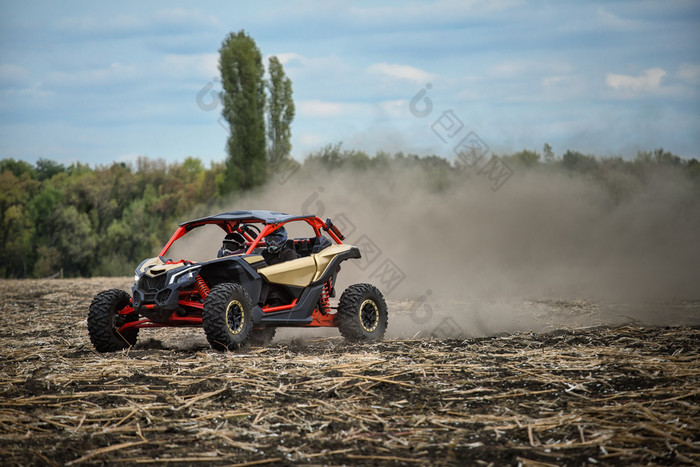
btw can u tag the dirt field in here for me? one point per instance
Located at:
(617, 394)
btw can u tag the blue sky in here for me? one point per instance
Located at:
(98, 82)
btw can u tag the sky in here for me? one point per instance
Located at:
(98, 82)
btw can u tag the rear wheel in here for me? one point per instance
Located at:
(226, 316)
(362, 313)
(104, 321)
(262, 336)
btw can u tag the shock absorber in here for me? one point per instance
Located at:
(325, 300)
(201, 287)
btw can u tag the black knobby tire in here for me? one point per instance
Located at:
(262, 336)
(362, 313)
(104, 321)
(226, 316)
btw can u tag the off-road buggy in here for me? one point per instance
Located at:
(239, 298)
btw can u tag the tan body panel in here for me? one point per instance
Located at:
(157, 267)
(324, 258)
(150, 263)
(253, 259)
(301, 272)
(297, 272)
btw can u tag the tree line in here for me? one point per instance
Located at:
(104, 220)
(93, 221)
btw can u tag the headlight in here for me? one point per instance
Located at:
(185, 276)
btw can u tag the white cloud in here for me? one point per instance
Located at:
(559, 88)
(469, 95)
(8, 70)
(294, 60)
(615, 22)
(394, 108)
(184, 18)
(12, 74)
(330, 68)
(520, 68)
(195, 68)
(689, 73)
(117, 24)
(317, 108)
(649, 81)
(35, 94)
(324, 109)
(112, 74)
(198, 65)
(178, 20)
(310, 139)
(402, 72)
(554, 80)
(286, 58)
(428, 12)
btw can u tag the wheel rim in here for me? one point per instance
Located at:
(369, 315)
(235, 317)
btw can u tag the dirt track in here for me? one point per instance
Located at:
(608, 395)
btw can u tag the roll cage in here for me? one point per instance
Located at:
(237, 221)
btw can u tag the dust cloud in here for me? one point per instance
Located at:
(546, 249)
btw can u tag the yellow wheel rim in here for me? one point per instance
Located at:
(369, 315)
(235, 317)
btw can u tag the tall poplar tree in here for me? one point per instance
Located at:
(243, 97)
(280, 113)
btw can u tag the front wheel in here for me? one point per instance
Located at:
(362, 313)
(226, 316)
(104, 321)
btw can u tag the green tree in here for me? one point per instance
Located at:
(548, 153)
(694, 168)
(243, 97)
(331, 156)
(16, 228)
(17, 167)
(75, 240)
(40, 211)
(574, 161)
(280, 114)
(666, 157)
(46, 169)
(526, 158)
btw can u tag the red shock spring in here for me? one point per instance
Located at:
(325, 300)
(201, 287)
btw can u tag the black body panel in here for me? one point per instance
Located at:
(267, 217)
(299, 315)
(233, 269)
(159, 290)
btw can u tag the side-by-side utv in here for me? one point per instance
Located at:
(241, 296)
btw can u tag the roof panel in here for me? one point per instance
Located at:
(267, 217)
